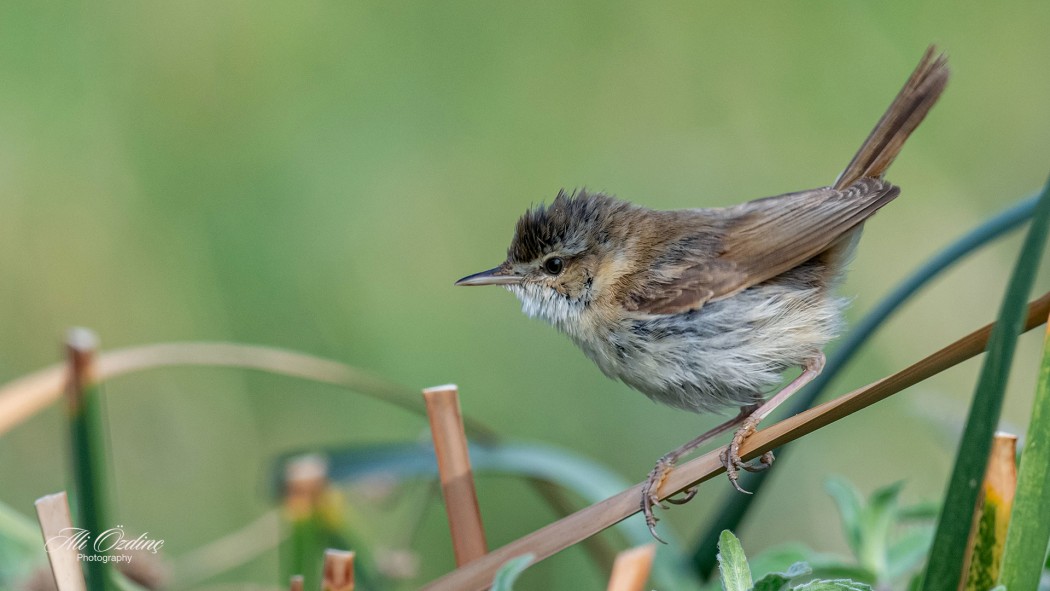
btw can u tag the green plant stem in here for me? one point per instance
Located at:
(944, 570)
(87, 448)
(736, 506)
(1029, 533)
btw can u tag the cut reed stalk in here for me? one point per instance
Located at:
(338, 571)
(56, 525)
(631, 569)
(457, 479)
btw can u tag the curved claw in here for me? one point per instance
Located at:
(731, 465)
(652, 527)
(730, 456)
(651, 493)
(764, 463)
(689, 494)
(648, 502)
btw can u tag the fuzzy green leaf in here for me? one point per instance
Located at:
(777, 581)
(845, 571)
(732, 564)
(771, 582)
(834, 585)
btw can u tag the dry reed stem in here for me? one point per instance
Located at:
(457, 479)
(22, 398)
(295, 583)
(586, 522)
(338, 571)
(52, 512)
(631, 568)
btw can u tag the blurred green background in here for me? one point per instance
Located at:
(315, 175)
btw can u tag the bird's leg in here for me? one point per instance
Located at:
(651, 490)
(731, 454)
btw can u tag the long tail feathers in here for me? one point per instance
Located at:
(916, 99)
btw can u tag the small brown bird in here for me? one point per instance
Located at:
(703, 309)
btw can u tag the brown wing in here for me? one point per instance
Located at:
(752, 242)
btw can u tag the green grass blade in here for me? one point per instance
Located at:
(736, 506)
(18, 529)
(1029, 534)
(944, 570)
(509, 572)
(87, 446)
(19, 546)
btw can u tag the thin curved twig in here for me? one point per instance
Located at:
(26, 396)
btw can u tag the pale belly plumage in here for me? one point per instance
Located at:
(725, 355)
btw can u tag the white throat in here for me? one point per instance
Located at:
(542, 302)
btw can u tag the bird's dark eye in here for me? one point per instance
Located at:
(553, 265)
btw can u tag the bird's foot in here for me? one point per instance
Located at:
(664, 467)
(731, 454)
(651, 492)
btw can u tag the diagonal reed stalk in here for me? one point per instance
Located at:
(570, 530)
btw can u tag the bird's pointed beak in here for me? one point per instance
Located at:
(497, 276)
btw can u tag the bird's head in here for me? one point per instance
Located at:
(558, 261)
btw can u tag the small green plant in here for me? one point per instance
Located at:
(885, 556)
(736, 573)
